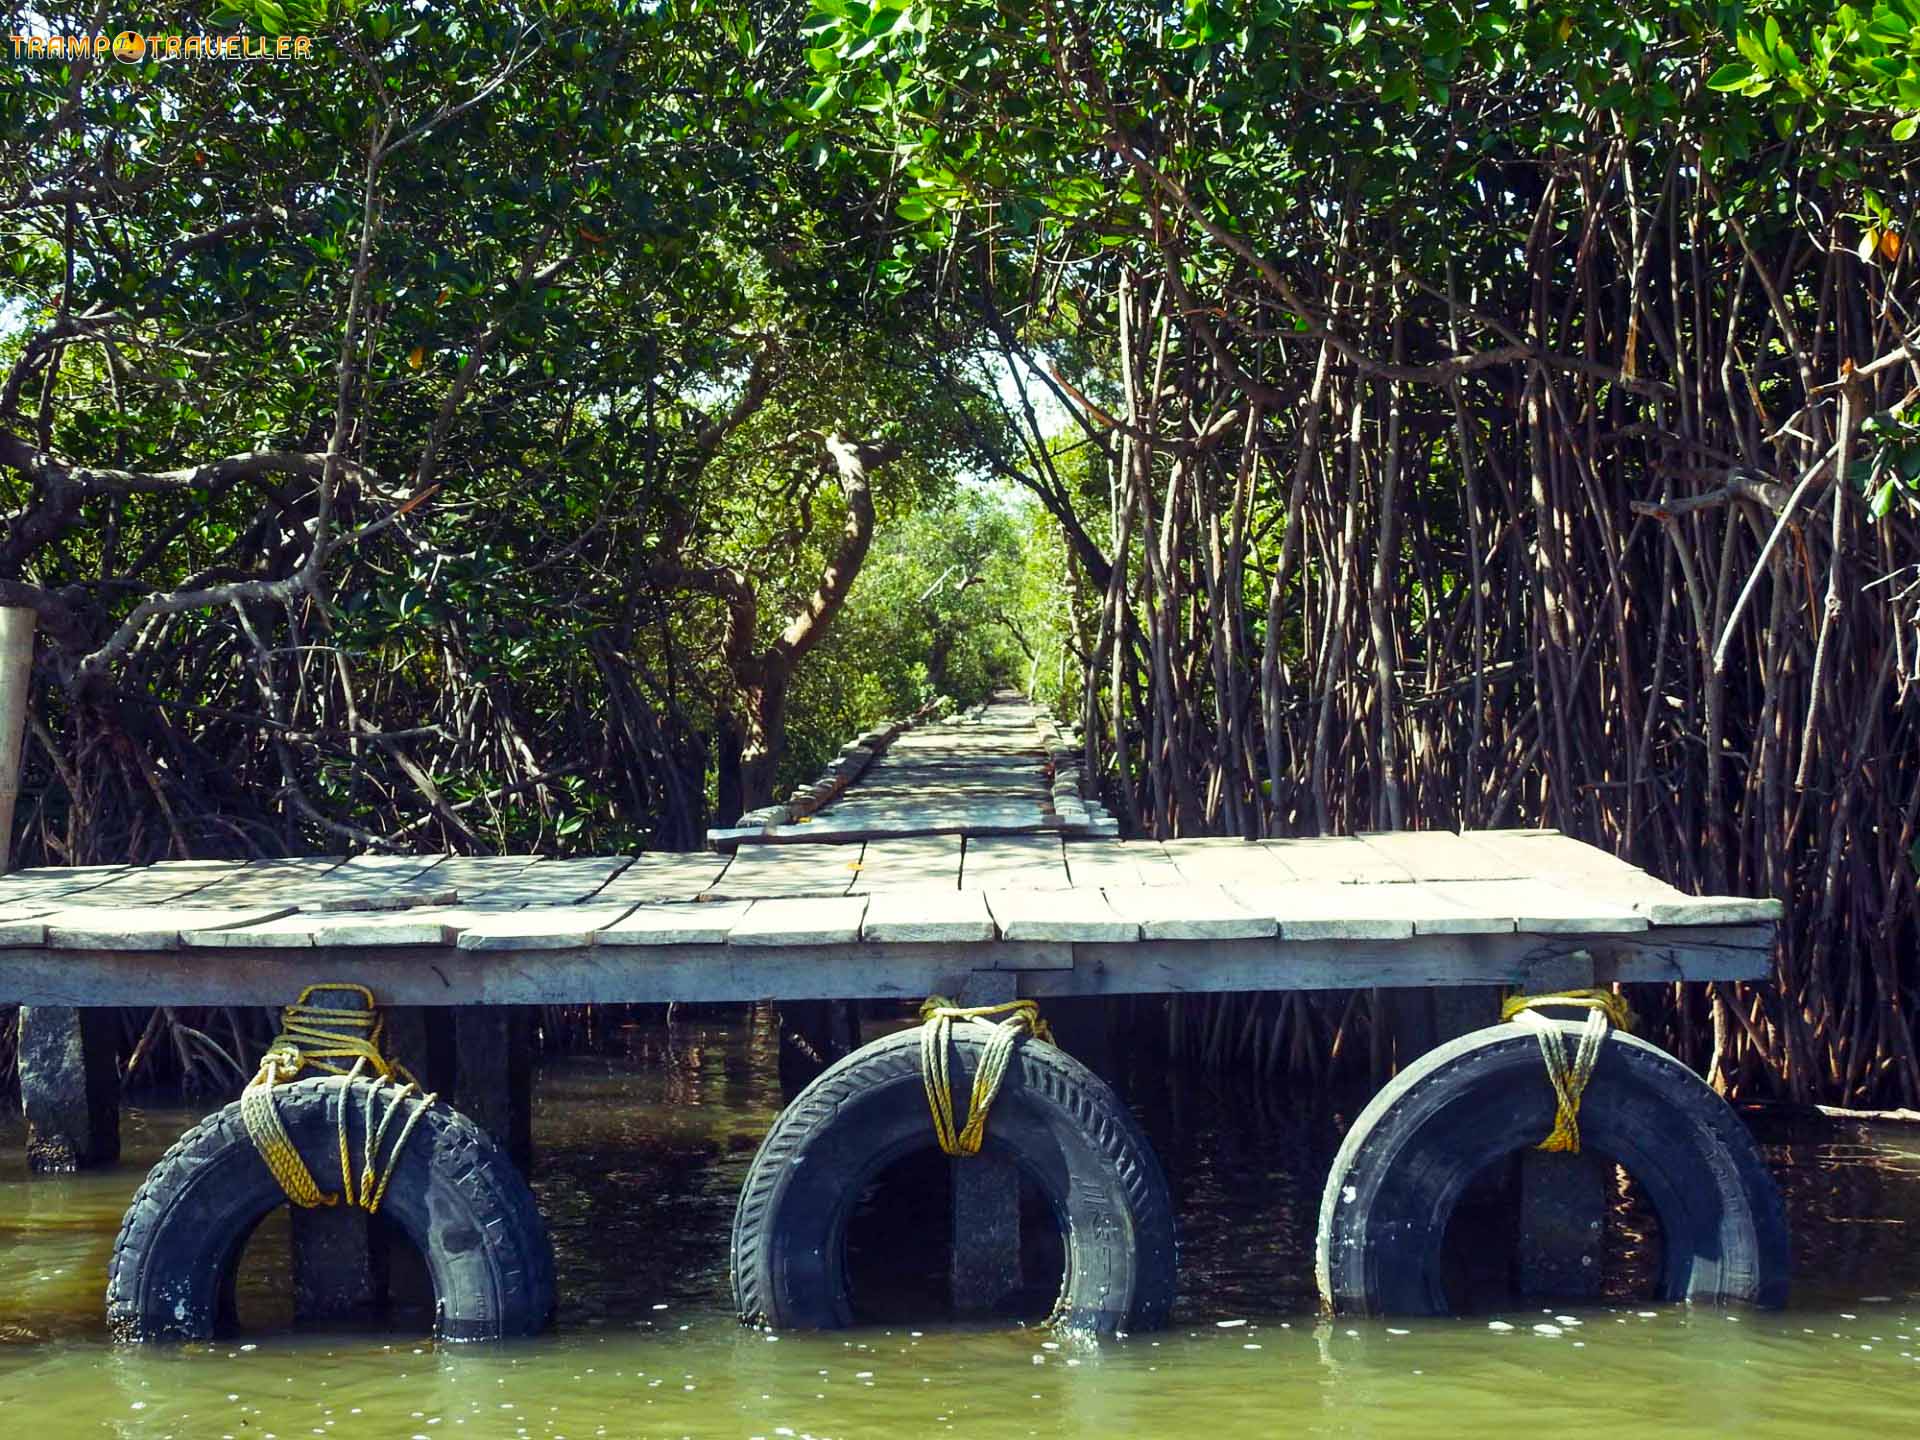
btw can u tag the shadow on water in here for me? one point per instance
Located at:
(642, 1153)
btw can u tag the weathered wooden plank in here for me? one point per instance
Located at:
(1710, 910)
(295, 932)
(1570, 865)
(819, 921)
(685, 923)
(470, 876)
(1321, 911)
(159, 884)
(259, 882)
(920, 916)
(1010, 862)
(52, 881)
(1439, 855)
(912, 862)
(371, 880)
(782, 871)
(1220, 860)
(1337, 860)
(1106, 864)
(157, 927)
(1027, 914)
(551, 882)
(25, 924)
(1187, 912)
(664, 875)
(1205, 966)
(423, 925)
(544, 927)
(649, 974)
(1542, 909)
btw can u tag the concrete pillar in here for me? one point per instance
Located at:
(814, 1034)
(339, 1272)
(1560, 1251)
(493, 1074)
(1561, 1200)
(69, 1087)
(985, 1268)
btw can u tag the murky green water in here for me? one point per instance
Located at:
(640, 1160)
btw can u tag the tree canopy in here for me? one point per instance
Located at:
(560, 424)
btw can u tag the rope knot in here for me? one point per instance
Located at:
(1605, 1010)
(316, 1034)
(938, 1015)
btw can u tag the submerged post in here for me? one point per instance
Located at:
(1563, 1198)
(985, 1269)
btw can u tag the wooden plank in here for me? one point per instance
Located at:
(1330, 912)
(422, 925)
(1447, 961)
(1570, 865)
(1538, 853)
(664, 875)
(1028, 914)
(1440, 855)
(551, 882)
(1541, 909)
(921, 916)
(47, 882)
(1013, 862)
(159, 884)
(647, 975)
(1188, 912)
(783, 871)
(1337, 860)
(1107, 864)
(25, 924)
(156, 927)
(1687, 909)
(1218, 860)
(819, 921)
(544, 927)
(371, 880)
(262, 882)
(469, 876)
(915, 862)
(686, 923)
(294, 932)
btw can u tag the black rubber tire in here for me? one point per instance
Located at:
(455, 1195)
(1467, 1103)
(1057, 1120)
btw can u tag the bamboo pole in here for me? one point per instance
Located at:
(16, 675)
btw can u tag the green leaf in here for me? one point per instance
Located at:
(1731, 76)
(1906, 129)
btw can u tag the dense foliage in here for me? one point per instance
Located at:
(558, 423)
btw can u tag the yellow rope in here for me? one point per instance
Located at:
(321, 1036)
(937, 1016)
(1569, 1078)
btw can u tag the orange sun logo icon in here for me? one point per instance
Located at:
(129, 48)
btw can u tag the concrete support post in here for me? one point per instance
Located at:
(1563, 1198)
(339, 1272)
(985, 1269)
(69, 1087)
(493, 1074)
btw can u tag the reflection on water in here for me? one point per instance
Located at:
(640, 1159)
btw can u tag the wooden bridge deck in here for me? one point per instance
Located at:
(998, 876)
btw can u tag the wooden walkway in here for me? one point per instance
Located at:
(949, 855)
